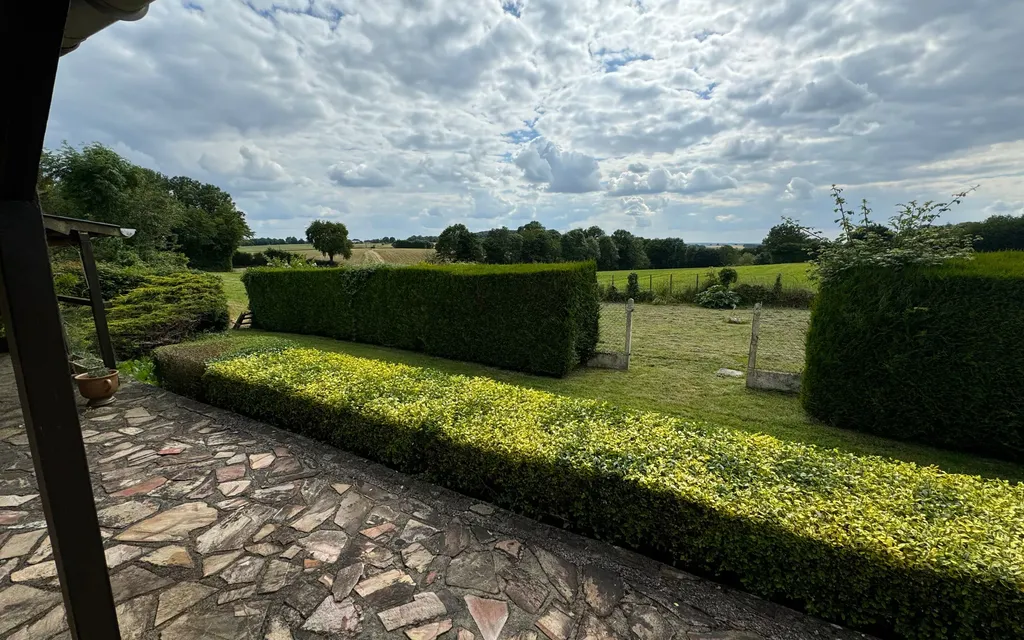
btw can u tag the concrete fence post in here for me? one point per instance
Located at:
(755, 328)
(629, 330)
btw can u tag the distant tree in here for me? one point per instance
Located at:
(577, 246)
(330, 239)
(458, 244)
(632, 254)
(503, 246)
(700, 256)
(608, 258)
(594, 232)
(211, 228)
(788, 242)
(666, 253)
(540, 244)
(997, 233)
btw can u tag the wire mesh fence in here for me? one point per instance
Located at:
(777, 348)
(612, 337)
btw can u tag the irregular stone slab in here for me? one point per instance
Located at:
(278, 494)
(234, 531)
(415, 531)
(473, 571)
(265, 531)
(48, 626)
(334, 617)
(142, 488)
(172, 525)
(423, 607)
(237, 594)
(11, 517)
(135, 617)
(325, 546)
(236, 459)
(284, 466)
(352, 510)
(345, 580)
(316, 515)
(19, 603)
(482, 509)
(341, 487)
(526, 591)
(8, 567)
(205, 489)
(218, 624)
(430, 631)
(382, 581)
(179, 598)
(555, 624)
(375, 532)
(135, 581)
(35, 572)
(21, 544)
(647, 624)
(169, 556)
(490, 615)
(213, 564)
(264, 549)
(306, 597)
(231, 504)
(602, 589)
(593, 628)
(121, 554)
(279, 573)
(456, 539)
(483, 536)
(233, 488)
(261, 460)
(43, 551)
(511, 547)
(245, 570)
(124, 514)
(416, 557)
(380, 557)
(279, 630)
(16, 501)
(561, 573)
(232, 472)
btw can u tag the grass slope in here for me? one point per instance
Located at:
(361, 253)
(793, 275)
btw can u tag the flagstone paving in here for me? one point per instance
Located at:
(218, 526)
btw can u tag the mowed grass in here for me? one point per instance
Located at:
(793, 275)
(676, 351)
(362, 253)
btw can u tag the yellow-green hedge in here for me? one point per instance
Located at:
(860, 540)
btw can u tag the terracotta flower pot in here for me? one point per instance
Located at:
(99, 391)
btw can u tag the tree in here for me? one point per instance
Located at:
(577, 246)
(540, 244)
(997, 233)
(503, 246)
(788, 242)
(211, 227)
(458, 244)
(330, 239)
(666, 253)
(631, 250)
(594, 232)
(608, 258)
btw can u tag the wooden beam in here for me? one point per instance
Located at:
(30, 41)
(99, 314)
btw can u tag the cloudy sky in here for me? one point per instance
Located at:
(705, 119)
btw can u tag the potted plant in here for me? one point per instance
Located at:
(98, 384)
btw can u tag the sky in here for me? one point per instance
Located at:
(708, 120)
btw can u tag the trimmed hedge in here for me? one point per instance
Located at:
(180, 367)
(166, 310)
(931, 354)
(534, 318)
(861, 540)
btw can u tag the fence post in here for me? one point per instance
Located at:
(755, 328)
(629, 330)
(698, 283)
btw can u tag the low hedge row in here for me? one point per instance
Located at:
(534, 318)
(930, 354)
(180, 367)
(861, 540)
(166, 310)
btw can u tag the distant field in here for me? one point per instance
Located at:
(793, 275)
(361, 253)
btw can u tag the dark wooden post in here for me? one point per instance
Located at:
(99, 314)
(31, 39)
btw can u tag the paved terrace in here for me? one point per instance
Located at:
(217, 526)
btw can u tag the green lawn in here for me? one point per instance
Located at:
(676, 351)
(238, 300)
(793, 275)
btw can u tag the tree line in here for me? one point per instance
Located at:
(177, 213)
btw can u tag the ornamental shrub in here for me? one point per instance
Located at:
(180, 367)
(718, 297)
(538, 318)
(926, 353)
(166, 310)
(860, 540)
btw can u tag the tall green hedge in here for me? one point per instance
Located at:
(860, 540)
(534, 318)
(931, 354)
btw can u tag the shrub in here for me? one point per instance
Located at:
(727, 277)
(166, 310)
(534, 318)
(753, 293)
(861, 540)
(242, 259)
(718, 297)
(926, 353)
(180, 367)
(633, 286)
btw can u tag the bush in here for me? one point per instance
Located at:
(166, 310)
(753, 293)
(412, 244)
(534, 318)
(242, 259)
(861, 540)
(180, 367)
(926, 353)
(718, 297)
(727, 277)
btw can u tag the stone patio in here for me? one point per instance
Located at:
(217, 526)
